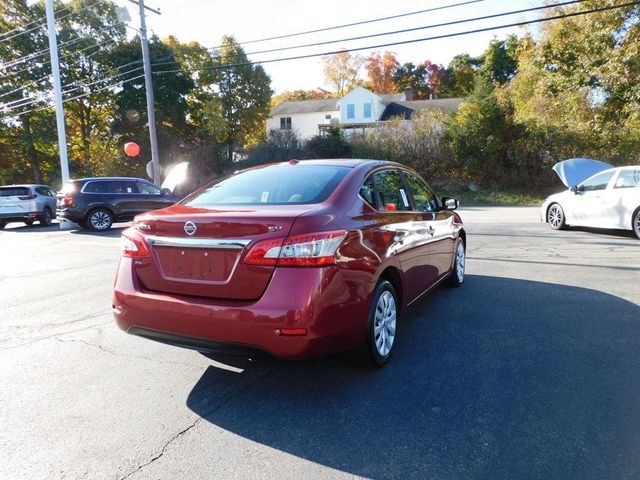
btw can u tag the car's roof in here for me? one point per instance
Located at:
(26, 185)
(106, 178)
(341, 162)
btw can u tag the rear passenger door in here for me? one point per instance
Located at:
(152, 196)
(436, 225)
(398, 217)
(125, 198)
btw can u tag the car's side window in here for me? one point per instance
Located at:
(628, 179)
(148, 188)
(368, 193)
(391, 192)
(123, 187)
(424, 198)
(96, 187)
(43, 191)
(52, 192)
(598, 182)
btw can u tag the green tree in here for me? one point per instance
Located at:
(238, 112)
(499, 60)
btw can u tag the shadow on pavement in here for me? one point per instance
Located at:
(503, 378)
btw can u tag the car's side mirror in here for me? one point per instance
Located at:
(450, 203)
(574, 188)
(166, 191)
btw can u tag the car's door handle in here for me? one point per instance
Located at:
(426, 231)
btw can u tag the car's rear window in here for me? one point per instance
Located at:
(277, 185)
(14, 191)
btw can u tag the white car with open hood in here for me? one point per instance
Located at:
(599, 196)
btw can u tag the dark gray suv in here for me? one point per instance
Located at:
(96, 203)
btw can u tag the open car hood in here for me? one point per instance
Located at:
(575, 170)
(176, 175)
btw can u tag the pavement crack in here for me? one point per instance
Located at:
(231, 397)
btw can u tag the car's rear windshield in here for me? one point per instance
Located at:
(277, 185)
(14, 191)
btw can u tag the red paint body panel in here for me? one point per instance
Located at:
(220, 298)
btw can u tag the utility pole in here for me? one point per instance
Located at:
(148, 84)
(57, 90)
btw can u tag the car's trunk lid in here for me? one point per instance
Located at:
(10, 201)
(199, 252)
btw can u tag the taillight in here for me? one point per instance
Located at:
(67, 201)
(31, 196)
(307, 250)
(133, 245)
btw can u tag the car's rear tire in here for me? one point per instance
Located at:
(635, 223)
(28, 223)
(46, 217)
(2, 225)
(555, 217)
(382, 324)
(99, 220)
(457, 274)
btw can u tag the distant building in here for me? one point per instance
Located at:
(358, 110)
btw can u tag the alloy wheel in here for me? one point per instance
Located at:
(460, 261)
(100, 220)
(555, 216)
(384, 326)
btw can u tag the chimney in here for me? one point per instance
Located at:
(408, 94)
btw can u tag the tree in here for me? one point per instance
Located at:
(458, 78)
(341, 71)
(408, 75)
(380, 70)
(298, 95)
(499, 60)
(480, 133)
(237, 114)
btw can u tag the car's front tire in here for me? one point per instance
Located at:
(459, 261)
(382, 324)
(555, 217)
(635, 222)
(46, 217)
(99, 220)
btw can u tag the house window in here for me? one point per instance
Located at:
(285, 123)
(367, 110)
(351, 111)
(327, 117)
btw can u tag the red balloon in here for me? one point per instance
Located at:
(132, 149)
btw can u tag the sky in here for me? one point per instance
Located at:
(206, 21)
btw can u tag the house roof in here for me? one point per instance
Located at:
(443, 104)
(306, 106)
(393, 97)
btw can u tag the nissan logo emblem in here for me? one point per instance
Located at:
(190, 228)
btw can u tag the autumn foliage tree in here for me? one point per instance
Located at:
(341, 71)
(380, 70)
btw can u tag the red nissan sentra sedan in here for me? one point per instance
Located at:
(298, 259)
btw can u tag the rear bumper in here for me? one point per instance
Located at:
(327, 302)
(74, 216)
(18, 216)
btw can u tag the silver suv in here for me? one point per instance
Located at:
(27, 203)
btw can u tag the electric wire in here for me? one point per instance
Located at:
(405, 42)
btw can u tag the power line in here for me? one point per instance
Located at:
(405, 42)
(426, 27)
(45, 62)
(362, 22)
(44, 24)
(44, 51)
(120, 83)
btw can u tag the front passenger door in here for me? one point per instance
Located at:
(439, 243)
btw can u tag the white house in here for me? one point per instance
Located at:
(356, 111)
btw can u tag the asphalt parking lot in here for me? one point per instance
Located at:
(530, 370)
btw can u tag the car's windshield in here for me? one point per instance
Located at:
(275, 185)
